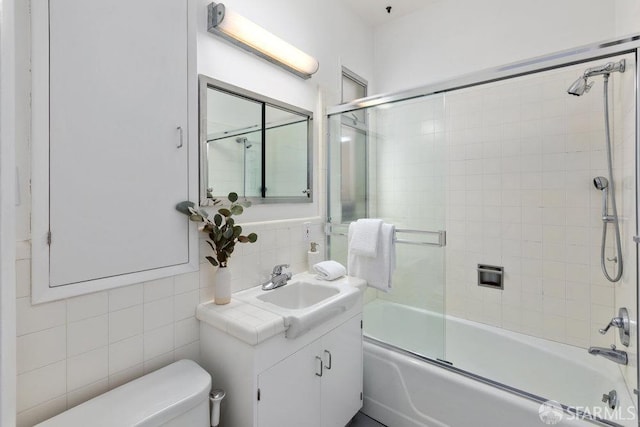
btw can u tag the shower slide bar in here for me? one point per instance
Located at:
(441, 234)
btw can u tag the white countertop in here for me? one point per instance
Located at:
(253, 324)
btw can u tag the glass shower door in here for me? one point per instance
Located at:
(388, 162)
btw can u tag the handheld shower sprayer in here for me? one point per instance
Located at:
(602, 184)
(580, 87)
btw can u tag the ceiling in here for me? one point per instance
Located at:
(374, 12)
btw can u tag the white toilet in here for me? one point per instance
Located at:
(174, 396)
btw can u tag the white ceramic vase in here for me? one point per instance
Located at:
(222, 286)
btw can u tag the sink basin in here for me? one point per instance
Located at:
(306, 302)
(299, 295)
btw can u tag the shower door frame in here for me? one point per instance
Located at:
(596, 51)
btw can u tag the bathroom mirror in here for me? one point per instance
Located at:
(253, 145)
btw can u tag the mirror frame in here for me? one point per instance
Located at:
(205, 83)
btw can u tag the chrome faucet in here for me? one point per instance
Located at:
(612, 354)
(278, 278)
(623, 324)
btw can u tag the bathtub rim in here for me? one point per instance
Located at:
(470, 375)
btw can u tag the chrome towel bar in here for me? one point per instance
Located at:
(441, 234)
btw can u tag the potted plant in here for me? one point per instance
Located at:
(223, 235)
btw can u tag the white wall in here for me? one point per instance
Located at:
(627, 17)
(452, 38)
(7, 214)
(74, 349)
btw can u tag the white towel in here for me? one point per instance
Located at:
(329, 270)
(377, 271)
(366, 233)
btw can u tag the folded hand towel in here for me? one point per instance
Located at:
(366, 233)
(377, 271)
(329, 270)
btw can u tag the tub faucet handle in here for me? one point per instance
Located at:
(622, 323)
(616, 321)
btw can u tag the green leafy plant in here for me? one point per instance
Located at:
(222, 230)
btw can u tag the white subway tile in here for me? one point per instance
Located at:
(87, 368)
(41, 385)
(158, 341)
(187, 331)
(185, 305)
(41, 348)
(81, 395)
(42, 412)
(207, 274)
(126, 375)
(34, 318)
(125, 323)
(159, 362)
(125, 354)
(189, 351)
(158, 289)
(87, 335)
(158, 313)
(604, 296)
(554, 270)
(86, 306)
(186, 283)
(125, 297)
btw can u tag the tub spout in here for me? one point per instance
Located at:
(612, 354)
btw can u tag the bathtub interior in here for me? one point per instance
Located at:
(546, 369)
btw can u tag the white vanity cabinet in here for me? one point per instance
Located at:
(319, 385)
(115, 143)
(314, 379)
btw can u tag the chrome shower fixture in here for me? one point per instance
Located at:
(245, 141)
(579, 87)
(582, 86)
(602, 184)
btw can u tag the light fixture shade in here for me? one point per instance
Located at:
(249, 36)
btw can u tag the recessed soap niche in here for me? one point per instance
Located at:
(491, 276)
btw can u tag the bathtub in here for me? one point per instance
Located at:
(485, 375)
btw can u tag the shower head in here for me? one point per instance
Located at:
(244, 140)
(600, 182)
(582, 86)
(579, 87)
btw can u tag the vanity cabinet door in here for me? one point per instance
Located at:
(290, 391)
(320, 385)
(111, 110)
(342, 378)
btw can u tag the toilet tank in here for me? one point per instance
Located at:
(176, 395)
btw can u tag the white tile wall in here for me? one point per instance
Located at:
(72, 350)
(529, 205)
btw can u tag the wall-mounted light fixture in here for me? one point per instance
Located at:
(249, 36)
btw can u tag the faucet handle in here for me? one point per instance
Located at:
(622, 323)
(278, 269)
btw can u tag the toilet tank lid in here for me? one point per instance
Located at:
(148, 401)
